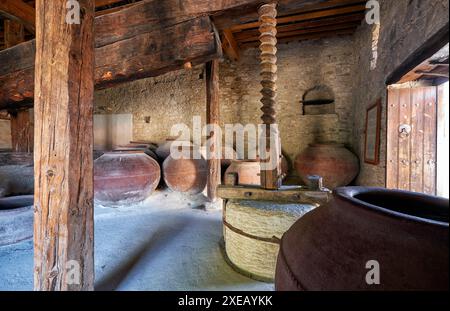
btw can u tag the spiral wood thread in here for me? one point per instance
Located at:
(268, 32)
(270, 178)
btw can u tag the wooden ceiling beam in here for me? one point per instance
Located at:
(230, 18)
(144, 55)
(229, 45)
(305, 16)
(353, 18)
(19, 11)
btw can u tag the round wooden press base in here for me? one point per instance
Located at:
(252, 232)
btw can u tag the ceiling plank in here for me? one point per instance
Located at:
(230, 46)
(300, 32)
(305, 16)
(224, 20)
(313, 36)
(355, 18)
(19, 11)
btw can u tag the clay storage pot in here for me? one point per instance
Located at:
(16, 180)
(185, 174)
(337, 165)
(248, 172)
(406, 233)
(144, 148)
(252, 232)
(16, 219)
(163, 150)
(125, 177)
(224, 161)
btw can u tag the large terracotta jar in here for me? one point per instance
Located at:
(125, 177)
(336, 164)
(342, 245)
(248, 172)
(185, 174)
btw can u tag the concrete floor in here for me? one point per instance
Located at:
(167, 243)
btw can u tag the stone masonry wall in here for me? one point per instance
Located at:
(405, 26)
(177, 97)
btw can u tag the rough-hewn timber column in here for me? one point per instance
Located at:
(64, 87)
(213, 118)
(270, 179)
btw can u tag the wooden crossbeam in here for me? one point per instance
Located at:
(140, 56)
(288, 194)
(19, 11)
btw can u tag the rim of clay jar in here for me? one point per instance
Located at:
(28, 202)
(326, 144)
(130, 151)
(245, 161)
(350, 194)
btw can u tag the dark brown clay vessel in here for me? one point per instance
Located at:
(329, 248)
(337, 165)
(124, 177)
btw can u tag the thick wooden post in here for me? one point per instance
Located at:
(63, 159)
(213, 118)
(270, 178)
(22, 130)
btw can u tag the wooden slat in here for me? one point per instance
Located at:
(249, 14)
(356, 18)
(442, 152)
(19, 11)
(430, 140)
(300, 32)
(404, 155)
(63, 157)
(392, 138)
(417, 139)
(100, 3)
(313, 36)
(306, 16)
(213, 118)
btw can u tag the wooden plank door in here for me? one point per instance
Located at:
(411, 140)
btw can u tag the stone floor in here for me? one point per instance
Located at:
(170, 242)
